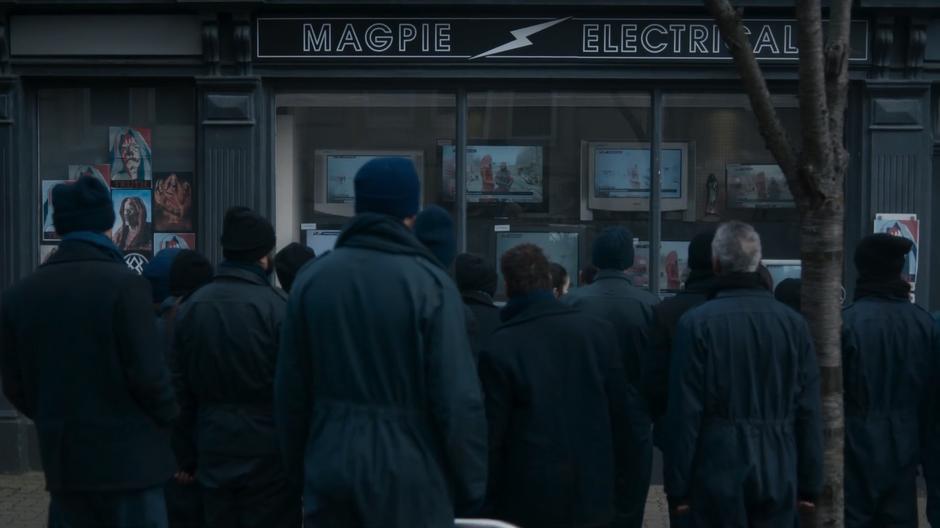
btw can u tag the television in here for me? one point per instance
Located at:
(497, 173)
(561, 243)
(335, 173)
(321, 241)
(783, 269)
(673, 265)
(619, 176)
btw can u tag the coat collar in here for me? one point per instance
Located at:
(538, 310)
(477, 297)
(743, 292)
(382, 233)
(611, 275)
(228, 271)
(78, 250)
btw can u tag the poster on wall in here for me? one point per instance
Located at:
(48, 227)
(761, 186)
(133, 228)
(173, 201)
(131, 160)
(907, 226)
(673, 265)
(101, 172)
(497, 173)
(137, 260)
(163, 241)
(46, 251)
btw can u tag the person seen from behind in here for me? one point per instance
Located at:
(289, 260)
(476, 280)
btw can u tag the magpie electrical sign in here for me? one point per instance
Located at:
(516, 40)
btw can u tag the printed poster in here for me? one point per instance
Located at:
(133, 228)
(48, 227)
(173, 201)
(131, 160)
(101, 172)
(163, 241)
(673, 265)
(907, 226)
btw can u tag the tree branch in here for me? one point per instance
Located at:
(778, 142)
(837, 80)
(814, 109)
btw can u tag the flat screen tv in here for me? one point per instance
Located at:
(335, 172)
(619, 178)
(561, 244)
(497, 173)
(783, 269)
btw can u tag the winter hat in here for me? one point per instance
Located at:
(613, 249)
(435, 229)
(882, 256)
(388, 186)
(246, 235)
(189, 272)
(474, 273)
(157, 271)
(700, 251)
(289, 260)
(788, 292)
(84, 205)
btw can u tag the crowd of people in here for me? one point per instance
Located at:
(382, 386)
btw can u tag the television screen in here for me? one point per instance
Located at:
(322, 240)
(341, 172)
(497, 173)
(673, 265)
(560, 247)
(624, 172)
(783, 269)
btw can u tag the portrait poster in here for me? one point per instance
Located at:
(173, 201)
(46, 251)
(163, 241)
(133, 220)
(48, 227)
(762, 186)
(137, 260)
(131, 160)
(673, 265)
(907, 226)
(102, 172)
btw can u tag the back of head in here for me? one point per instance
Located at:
(388, 186)
(588, 274)
(474, 273)
(613, 249)
(157, 272)
(435, 229)
(788, 292)
(83, 205)
(289, 260)
(881, 257)
(700, 251)
(189, 272)
(736, 248)
(525, 270)
(246, 235)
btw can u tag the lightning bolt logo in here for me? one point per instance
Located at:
(521, 38)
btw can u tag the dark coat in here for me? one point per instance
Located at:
(227, 335)
(377, 396)
(485, 316)
(890, 351)
(82, 358)
(555, 401)
(744, 436)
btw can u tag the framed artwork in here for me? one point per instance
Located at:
(173, 201)
(133, 220)
(130, 152)
(907, 226)
(163, 241)
(760, 186)
(102, 172)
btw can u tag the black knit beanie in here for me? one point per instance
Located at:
(188, 272)
(288, 262)
(84, 205)
(246, 235)
(613, 249)
(700, 251)
(474, 273)
(882, 256)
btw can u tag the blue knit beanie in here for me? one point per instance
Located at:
(157, 271)
(83, 205)
(388, 186)
(613, 249)
(435, 229)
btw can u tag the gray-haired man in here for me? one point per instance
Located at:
(743, 432)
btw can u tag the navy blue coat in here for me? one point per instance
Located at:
(80, 355)
(378, 403)
(890, 351)
(744, 435)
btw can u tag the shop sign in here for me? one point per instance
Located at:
(498, 40)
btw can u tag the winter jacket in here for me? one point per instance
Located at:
(555, 401)
(227, 335)
(744, 437)
(378, 403)
(80, 355)
(890, 351)
(485, 315)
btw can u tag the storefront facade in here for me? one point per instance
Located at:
(540, 121)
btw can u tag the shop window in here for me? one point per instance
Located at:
(139, 141)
